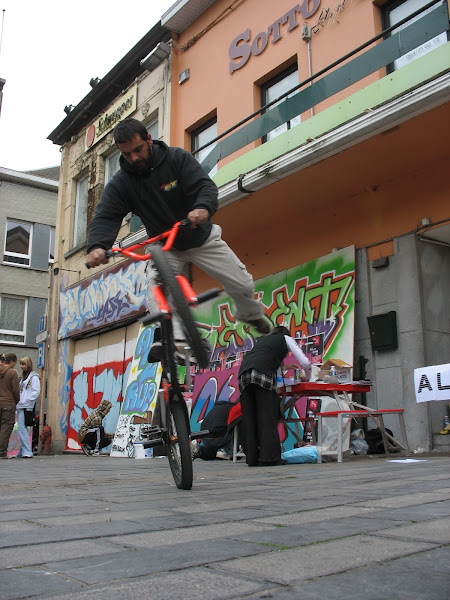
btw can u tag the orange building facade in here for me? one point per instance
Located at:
(362, 163)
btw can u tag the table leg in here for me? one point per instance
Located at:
(339, 440)
(235, 443)
(403, 430)
(319, 433)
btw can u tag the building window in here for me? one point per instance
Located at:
(152, 128)
(79, 230)
(274, 89)
(17, 243)
(51, 250)
(112, 165)
(395, 12)
(12, 319)
(202, 136)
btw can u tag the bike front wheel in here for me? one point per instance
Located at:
(179, 448)
(178, 301)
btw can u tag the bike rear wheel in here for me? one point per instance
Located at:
(179, 448)
(178, 301)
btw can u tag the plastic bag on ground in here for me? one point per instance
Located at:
(359, 446)
(305, 454)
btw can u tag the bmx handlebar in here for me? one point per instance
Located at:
(130, 252)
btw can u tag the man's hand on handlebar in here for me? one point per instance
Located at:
(197, 217)
(96, 257)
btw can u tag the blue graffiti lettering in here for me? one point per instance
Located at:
(104, 299)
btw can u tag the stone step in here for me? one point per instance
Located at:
(441, 442)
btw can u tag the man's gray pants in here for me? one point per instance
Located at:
(216, 259)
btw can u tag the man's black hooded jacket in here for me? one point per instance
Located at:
(173, 184)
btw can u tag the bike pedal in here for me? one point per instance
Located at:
(197, 435)
(152, 443)
(148, 430)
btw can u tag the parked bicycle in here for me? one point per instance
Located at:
(174, 297)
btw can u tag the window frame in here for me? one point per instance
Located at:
(386, 10)
(264, 88)
(76, 241)
(194, 138)
(7, 253)
(52, 237)
(152, 123)
(108, 162)
(14, 332)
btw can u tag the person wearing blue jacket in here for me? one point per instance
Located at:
(30, 389)
(163, 185)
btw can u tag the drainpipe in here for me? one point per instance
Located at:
(306, 36)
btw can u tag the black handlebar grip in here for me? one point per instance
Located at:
(208, 295)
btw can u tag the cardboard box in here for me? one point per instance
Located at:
(343, 370)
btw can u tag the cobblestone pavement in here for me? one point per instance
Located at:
(79, 528)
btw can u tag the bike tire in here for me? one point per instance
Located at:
(179, 448)
(178, 301)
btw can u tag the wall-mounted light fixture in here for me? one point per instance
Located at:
(184, 76)
(156, 56)
(68, 108)
(94, 81)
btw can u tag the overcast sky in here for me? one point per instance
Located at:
(50, 50)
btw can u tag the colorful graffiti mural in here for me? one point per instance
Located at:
(97, 374)
(315, 301)
(116, 293)
(142, 385)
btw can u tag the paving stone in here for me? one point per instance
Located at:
(163, 558)
(36, 555)
(436, 531)
(433, 561)
(301, 535)
(408, 500)
(188, 584)
(306, 562)
(189, 534)
(54, 534)
(30, 582)
(314, 516)
(421, 512)
(370, 583)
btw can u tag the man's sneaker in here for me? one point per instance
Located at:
(86, 450)
(98, 453)
(261, 325)
(194, 445)
(223, 455)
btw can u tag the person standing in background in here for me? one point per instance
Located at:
(259, 400)
(30, 389)
(9, 398)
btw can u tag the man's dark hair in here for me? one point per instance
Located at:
(127, 129)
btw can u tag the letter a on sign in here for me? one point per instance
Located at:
(432, 383)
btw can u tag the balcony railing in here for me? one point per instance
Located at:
(329, 82)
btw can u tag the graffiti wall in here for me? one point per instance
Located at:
(116, 293)
(100, 368)
(141, 390)
(315, 301)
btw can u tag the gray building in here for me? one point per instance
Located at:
(27, 236)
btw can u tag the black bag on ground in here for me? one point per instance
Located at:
(375, 440)
(30, 417)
